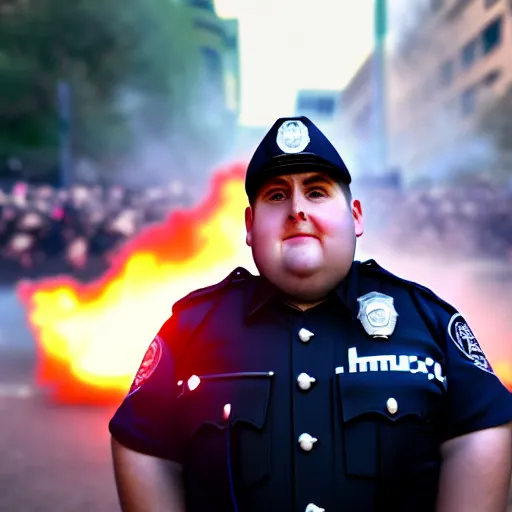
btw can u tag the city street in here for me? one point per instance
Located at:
(54, 458)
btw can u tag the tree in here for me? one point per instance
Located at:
(131, 68)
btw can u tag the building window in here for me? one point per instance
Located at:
(435, 5)
(326, 106)
(446, 73)
(469, 54)
(490, 3)
(458, 7)
(210, 26)
(202, 4)
(319, 105)
(468, 101)
(491, 78)
(212, 68)
(491, 36)
(304, 104)
(212, 61)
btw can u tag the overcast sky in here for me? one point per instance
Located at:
(287, 45)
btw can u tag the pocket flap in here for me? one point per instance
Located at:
(392, 402)
(248, 397)
(393, 408)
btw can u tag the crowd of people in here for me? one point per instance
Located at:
(457, 221)
(44, 230)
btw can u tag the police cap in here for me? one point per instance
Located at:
(290, 145)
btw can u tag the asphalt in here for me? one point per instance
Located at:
(53, 457)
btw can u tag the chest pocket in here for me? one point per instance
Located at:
(390, 426)
(212, 440)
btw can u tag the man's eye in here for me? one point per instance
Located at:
(276, 196)
(317, 192)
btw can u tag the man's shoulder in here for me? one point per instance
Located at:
(373, 270)
(235, 279)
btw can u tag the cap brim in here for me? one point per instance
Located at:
(293, 164)
(298, 160)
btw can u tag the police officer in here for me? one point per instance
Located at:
(324, 384)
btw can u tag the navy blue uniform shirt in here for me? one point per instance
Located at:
(341, 407)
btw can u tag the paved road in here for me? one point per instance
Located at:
(53, 458)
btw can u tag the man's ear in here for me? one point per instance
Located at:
(248, 225)
(357, 214)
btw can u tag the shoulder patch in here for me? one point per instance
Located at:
(149, 363)
(239, 274)
(462, 335)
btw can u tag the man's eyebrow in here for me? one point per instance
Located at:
(273, 182)
(312, 180)
(315, 179)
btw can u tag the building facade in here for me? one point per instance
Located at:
(460, 62)
(218, 43)
(357, 107)
(453, 61)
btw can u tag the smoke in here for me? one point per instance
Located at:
(183, 152)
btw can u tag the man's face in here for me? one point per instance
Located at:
(302, 232)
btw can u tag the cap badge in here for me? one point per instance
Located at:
(293, 137)
(377, 314)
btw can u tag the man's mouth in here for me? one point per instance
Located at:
(297, 236)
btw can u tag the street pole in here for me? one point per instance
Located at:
(379, 87)
(64, 113)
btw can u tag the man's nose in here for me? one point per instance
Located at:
(298, 207)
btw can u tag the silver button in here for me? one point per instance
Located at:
(305, 335)
(392, 405)
(313, 508)
(226, 412)
(193, 382)
(306, 442)
(304, 381)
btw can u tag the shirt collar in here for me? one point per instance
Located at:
(348, 289)
(260, 292)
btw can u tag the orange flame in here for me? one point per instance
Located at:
(503, 370)
(91, 338)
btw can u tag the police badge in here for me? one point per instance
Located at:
(377, 314)
(293, 137)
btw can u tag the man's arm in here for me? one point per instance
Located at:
(145, 434)
(476, 472)
(146, 483)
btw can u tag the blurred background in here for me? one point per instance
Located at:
(124, 135)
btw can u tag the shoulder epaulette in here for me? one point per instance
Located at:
(237, 275)
(374, 266)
